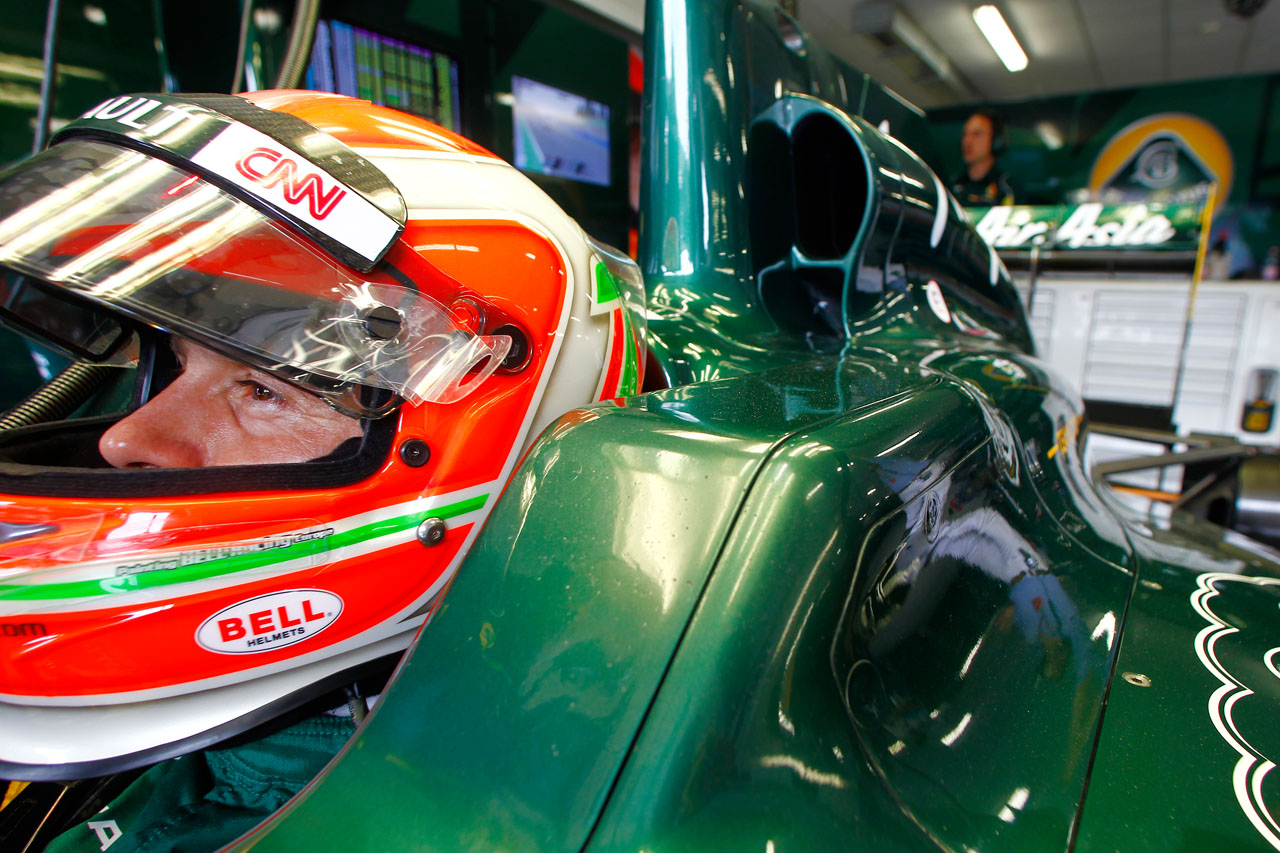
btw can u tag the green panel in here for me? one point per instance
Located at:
(1269, 153)
(1034, 419)
(1269, 187)
(907, 122)
(1164, 772)
(785, 513)
(963, 653)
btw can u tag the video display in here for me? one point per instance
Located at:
(560, 134)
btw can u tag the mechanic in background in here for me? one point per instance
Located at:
(981, 182)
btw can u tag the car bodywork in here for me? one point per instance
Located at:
(845, 582)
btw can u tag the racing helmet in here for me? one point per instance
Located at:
(404, 275)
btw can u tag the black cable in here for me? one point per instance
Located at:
(238, 78)
(49, 82)
(298, 50)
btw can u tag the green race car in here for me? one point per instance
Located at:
(841, 579)
(835, 577)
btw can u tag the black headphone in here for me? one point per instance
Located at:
(999, 136)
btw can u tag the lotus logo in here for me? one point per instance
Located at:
(268, 168)
(1157, 165)
(269, 622)
(1169, 152)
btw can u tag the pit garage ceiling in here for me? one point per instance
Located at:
(1073, 45)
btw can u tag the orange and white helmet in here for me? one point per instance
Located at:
(399, 272)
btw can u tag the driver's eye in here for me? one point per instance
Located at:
(259, 392)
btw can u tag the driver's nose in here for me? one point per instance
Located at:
(163, 433)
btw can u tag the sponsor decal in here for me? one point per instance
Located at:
(254, 162)
(1174, 154)
(269, 622)
(108, 832)
(147, 117)
(1242, 717)
(1135, 227)
(1174, 227)
(363, 533)
(269, 167)
(284, 180)
(23, 629)
(1157, 165)
(605, 293)
(223, 552)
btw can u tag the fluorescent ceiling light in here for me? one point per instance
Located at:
(997, 32)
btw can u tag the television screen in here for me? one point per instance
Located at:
(349, 60)
(560, 134)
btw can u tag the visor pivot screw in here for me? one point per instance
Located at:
(431, 531)
(382, 323)
(415, 453)
(518, 355)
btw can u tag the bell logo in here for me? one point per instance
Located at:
(269, 622)
(268, 168)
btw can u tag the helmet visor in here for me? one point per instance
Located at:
(164, 246)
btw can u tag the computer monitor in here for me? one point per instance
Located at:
(560, 134)
(350, 60)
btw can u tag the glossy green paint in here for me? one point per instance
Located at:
(845, 585)
(1163, 776)
(794, 487)
(1024, 391)
(755, 614)
(557, 637)
(561, 629)
(738, 196)
(843, 628)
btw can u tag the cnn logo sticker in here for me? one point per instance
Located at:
(269, 622)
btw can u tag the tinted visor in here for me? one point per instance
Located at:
(118, 228)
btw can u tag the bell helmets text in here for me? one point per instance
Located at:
(269, 622)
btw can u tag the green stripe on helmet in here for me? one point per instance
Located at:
(204, 569)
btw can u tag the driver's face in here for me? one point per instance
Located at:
(221, 412)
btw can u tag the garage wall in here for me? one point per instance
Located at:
(1055, 143)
